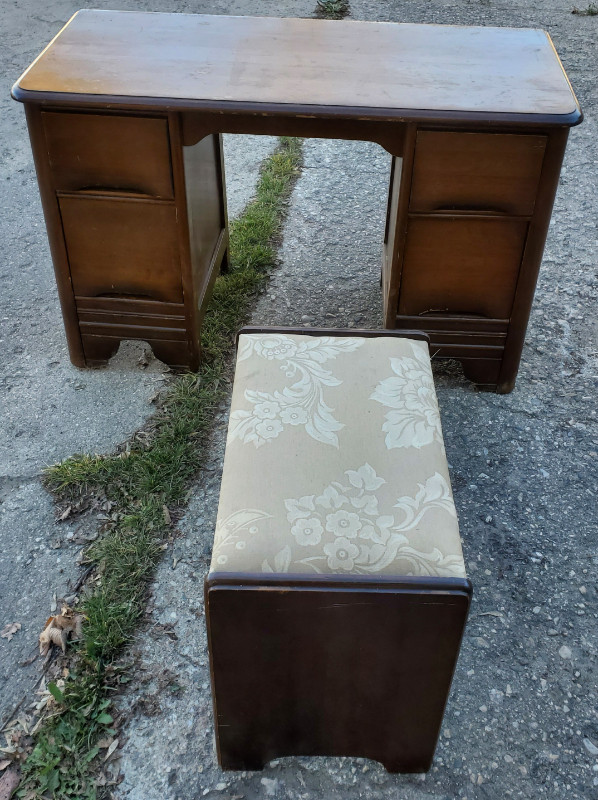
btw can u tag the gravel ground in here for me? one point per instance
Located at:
(50, 409)
(521, 720)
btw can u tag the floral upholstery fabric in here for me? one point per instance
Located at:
(335, 462)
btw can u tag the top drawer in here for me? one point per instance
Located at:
(104, 152)
(483, 172)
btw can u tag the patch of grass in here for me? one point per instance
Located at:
(590, 11)
(145, 483)
(332, 9)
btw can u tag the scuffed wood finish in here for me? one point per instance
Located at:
(461, 265)
(125, 113)
(122, 247)
(135, 57)
(116, 152)
(465, 251)
(115, 197)
(492, 172)
(328, 667)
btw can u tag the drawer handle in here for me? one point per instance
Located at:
(94, 191)
(490, 211)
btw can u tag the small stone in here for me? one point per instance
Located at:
(590, 747)
(481, 642)
(496, 696)
(509, 759)
(488, 519)
(270, 785)
(536, 610)
(565, 652)
(220, 787)
(553, 632)
(483, 709)
(583, 589)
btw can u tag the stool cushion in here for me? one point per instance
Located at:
(335, 461)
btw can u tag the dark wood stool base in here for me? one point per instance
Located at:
(329, 667)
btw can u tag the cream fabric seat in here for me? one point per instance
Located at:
(335, 461)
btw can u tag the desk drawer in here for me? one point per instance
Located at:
(94, 151)
(122, 247)
(484, 172)
(461, 266)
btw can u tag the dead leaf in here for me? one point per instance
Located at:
(4, 764)
(166, 629)
(9, 630)
(9, 782)
(167, 517)
(111, 749)
(66, 513)
(102, 743)
(57, 629)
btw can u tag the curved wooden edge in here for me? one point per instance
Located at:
(363, 113)
(390, 583)
(364, 333)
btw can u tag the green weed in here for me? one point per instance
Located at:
(332, 9)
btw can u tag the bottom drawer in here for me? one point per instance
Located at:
(461, 265)
(122, 246)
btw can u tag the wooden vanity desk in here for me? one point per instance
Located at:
(125, 112)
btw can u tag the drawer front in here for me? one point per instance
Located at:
(122, 247)
(461, 266)
(484, 172)
(92, 151)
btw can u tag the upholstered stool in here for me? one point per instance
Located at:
(337, 595)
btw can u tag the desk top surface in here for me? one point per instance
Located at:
(254, 63)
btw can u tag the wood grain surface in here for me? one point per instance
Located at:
(132, 56)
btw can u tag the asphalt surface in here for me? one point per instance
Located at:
(521, 720)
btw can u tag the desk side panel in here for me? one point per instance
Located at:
(319, 670)
(206, 214)
(56, 240)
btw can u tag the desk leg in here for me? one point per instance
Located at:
(532, 258)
